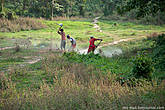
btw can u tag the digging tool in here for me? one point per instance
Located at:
(98, 44)
(100, 51)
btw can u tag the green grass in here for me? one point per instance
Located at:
(115, 65)
(81, 31)
(73, 81)
(128, 30)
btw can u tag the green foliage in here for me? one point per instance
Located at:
(82, 58)
(2, 14)
(113, 65)
(50, 8)
(159, 51)
(144, 7)
(38, 86)
(8, 14)
(85, 8)
(132, 81)
(143, 66)
(109, 6)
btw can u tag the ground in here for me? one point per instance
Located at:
(39, 76)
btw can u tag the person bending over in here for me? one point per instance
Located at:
(73, 42)
(92, 44)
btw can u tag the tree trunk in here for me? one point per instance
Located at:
(81, 10)
(2, 3)
(52, 13)
(52, 9)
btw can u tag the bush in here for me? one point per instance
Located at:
(159, 51)
(143, 66)
(132, 81)
(158, 19)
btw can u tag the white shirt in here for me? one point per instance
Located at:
(72, 40)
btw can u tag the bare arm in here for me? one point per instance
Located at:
(59, 32)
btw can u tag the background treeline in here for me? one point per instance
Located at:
(49, 8)
(151, 10)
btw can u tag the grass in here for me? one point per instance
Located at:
(128, 30)
(73, 81)
(82, 30)
(115, 65)
(56, 83)
(20, 24)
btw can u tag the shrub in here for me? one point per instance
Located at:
(143, 66)
(159, 51)
(132, 81)
(158, 19)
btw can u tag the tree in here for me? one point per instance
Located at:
(109, 6)
(144, 7)
(53, 2)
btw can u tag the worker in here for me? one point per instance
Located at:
(73, 42)
(92, 46)
(63, 38)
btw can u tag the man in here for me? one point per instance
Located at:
(73, 42)
(63, 38)
(92, 44)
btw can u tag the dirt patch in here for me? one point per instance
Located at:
(97, 27)
(116, 42)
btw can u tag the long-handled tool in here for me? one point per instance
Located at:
(98, 44)
(100, 51)
(60, 24)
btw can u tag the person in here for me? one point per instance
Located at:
(92, 46)
(73, 42)
(63, 38)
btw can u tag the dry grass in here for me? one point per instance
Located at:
(79, 87)
(20, 24)
(63, 18)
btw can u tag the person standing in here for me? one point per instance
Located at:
(63, 38)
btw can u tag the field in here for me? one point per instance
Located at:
(37, 76)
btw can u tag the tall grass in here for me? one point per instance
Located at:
(73, 86)
(56, 83)
(20, 24)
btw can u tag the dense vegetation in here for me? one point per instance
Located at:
(73, 81)
(151, 11)
(127, 73)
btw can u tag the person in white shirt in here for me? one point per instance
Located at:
(73, 42)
